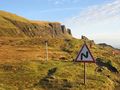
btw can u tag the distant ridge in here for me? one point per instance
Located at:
(105, 45)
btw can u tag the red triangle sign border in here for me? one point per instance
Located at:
(93, 61)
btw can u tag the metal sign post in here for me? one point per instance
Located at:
(46, 42)
(85, 56)
(84, 74)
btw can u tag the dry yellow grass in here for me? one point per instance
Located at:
(21, 53)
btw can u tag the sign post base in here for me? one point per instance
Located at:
(84, 73)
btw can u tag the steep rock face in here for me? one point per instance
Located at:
(54, 29)
(84, 37)
(15, 27)
(64, 30)
(69, 31)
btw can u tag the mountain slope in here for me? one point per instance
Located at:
(12, 25)
(23, 64)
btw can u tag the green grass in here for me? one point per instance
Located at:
(68, 75)
(12, 16)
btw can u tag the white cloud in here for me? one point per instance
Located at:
(99, 22)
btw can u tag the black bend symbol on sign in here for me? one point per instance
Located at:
(84, 55)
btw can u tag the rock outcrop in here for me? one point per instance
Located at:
(84, 37)
(69, 31)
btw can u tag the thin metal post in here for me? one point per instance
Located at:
(46, 50)
(84, 74)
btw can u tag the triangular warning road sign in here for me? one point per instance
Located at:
(85, 55)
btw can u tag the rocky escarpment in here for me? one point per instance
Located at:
(53, 29)
(12, 26)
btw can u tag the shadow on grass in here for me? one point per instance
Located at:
(100, 62)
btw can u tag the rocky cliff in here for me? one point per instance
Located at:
(12, 25)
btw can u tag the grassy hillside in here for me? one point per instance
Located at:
(24, 67)
(23, 64)
(53, 75)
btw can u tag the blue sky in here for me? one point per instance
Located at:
(97, 19)
(49, 10)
